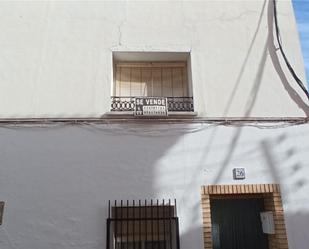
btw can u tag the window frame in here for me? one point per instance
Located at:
(167, 73)
(178, 107)
(140, 224)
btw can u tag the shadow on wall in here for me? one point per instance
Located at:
(189, 235)
(297, 229)
(57, 181)
(269, 47)
(244, 64)
(286, 167)
(252, 97)
(273, 52)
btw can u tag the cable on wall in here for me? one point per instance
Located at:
(140, 128)
(297, 79)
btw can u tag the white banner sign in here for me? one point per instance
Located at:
(150, 106)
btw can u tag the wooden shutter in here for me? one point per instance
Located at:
(166, 79)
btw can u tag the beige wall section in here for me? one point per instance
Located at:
(272, 201)
(56, 56)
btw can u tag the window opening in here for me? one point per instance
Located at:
(152, 79)
(142, 225)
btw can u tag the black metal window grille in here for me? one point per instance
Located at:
(174, 104)
(142, 225)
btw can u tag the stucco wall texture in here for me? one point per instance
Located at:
(57, 180)
(56, 62)
(56, 56)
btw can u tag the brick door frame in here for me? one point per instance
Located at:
(272, 202)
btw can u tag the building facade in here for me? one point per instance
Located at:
(142, 125)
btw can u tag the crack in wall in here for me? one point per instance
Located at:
(122, 23)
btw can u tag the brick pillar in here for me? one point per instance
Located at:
(206, 221)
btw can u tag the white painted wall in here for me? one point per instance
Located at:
(56, 56)
(56, 61)
(57, 181)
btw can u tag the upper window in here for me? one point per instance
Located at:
(152, 79)
(152, 75)
(142, 226)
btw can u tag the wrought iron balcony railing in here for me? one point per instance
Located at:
(174, 104)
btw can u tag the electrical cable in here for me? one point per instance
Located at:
(141, 130)
(297, 79)
(262, 124)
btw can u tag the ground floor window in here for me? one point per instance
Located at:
(142, 225)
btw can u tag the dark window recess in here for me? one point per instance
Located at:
(236, 224)
(142, 225)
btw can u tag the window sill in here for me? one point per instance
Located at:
(130, 114)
